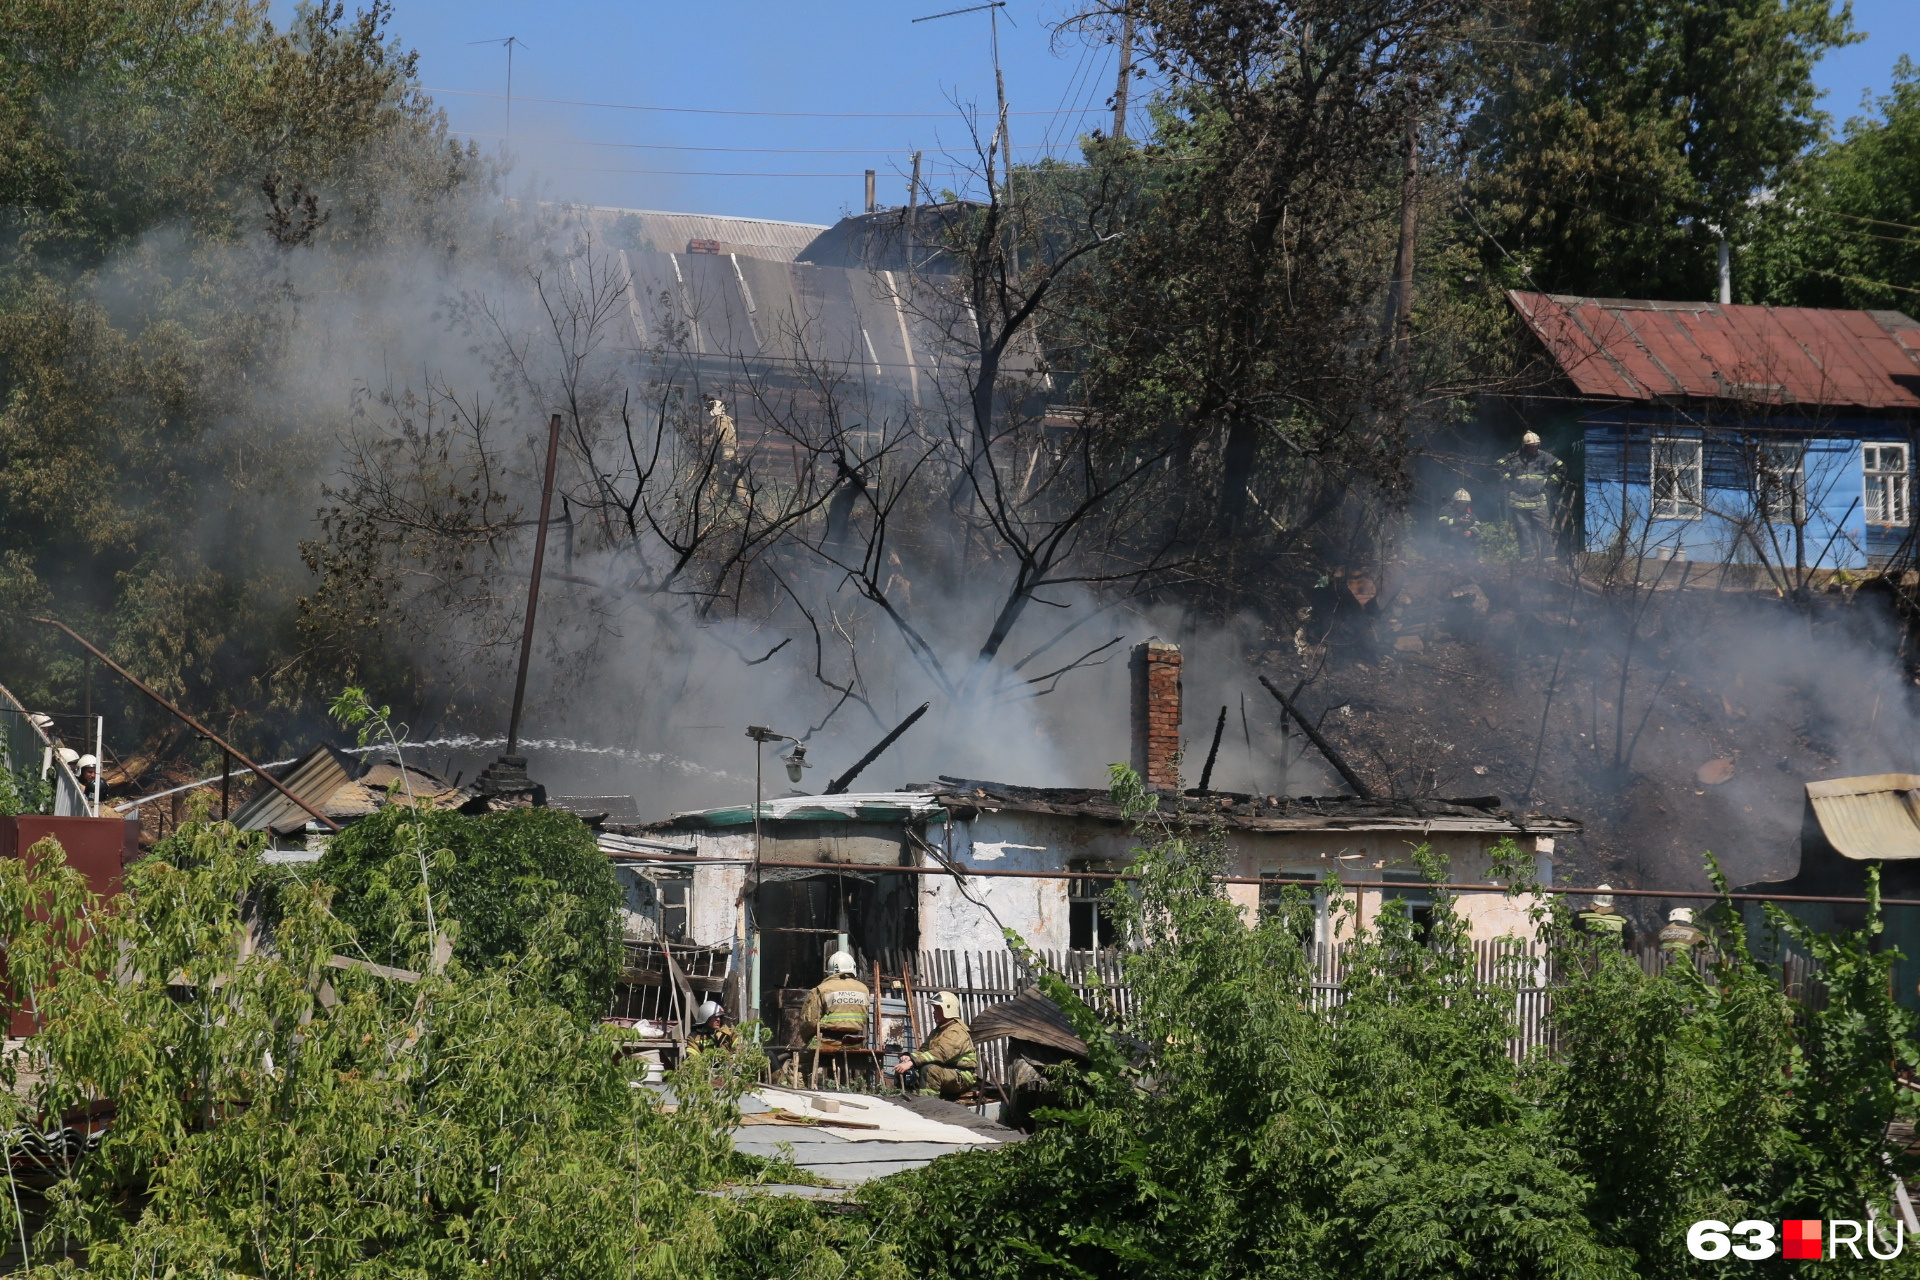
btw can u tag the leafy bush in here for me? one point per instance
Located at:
(271, 1116)
(504, 877)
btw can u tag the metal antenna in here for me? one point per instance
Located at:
(999, 83)
(508, 41)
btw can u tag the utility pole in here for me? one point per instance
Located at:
(1000, 91)
(533, 588)
(1126, 73)
(913, 216)
(1399, 319)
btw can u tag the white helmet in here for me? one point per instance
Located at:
(1604, 898)
(1531, 437)
(1461, 495)
(704, 1014)
(1680, 915)
(840, 964)
(87, 762)
(68, 756)
(948, 1004)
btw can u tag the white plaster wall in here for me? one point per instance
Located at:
(715, 918)
(1495, 915)
(1035, 909)
(1247, 898)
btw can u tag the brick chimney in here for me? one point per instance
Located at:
(1156, 714)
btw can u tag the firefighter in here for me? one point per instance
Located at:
(1603, 920)
(86, 768)
(1456, 522)
(1529, 474)
(711, 1030)
(946, 1062)
(1681, 933)
(838, 1008)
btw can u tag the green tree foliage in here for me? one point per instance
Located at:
(509, 879)
(271, 1116)
(180, 181)
(1843, 229)
(1613, 136)
(1240, 1126)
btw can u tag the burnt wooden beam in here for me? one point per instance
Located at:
(1325, 748)
(839, 785)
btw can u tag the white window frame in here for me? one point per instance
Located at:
(1780, 468)
(1886, 479)
(1690, 504)
(1307, 879)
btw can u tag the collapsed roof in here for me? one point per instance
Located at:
(1243, 812)
(962, 797)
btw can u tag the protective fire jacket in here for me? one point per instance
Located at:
(839, 1007)
(950, 1045)
(1527, 478)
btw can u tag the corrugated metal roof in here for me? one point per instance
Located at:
(1870, 818)
(750, 237)
(1637, 350)
(314, 777)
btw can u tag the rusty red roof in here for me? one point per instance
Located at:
(1622, 349)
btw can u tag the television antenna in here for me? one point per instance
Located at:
(999, 83)
(509, 42)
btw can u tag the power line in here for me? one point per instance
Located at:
(716, 111)
(723, 173)
(1873, 284)
(1854, 217)
(778, 151)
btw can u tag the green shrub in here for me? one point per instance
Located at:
(506, 878)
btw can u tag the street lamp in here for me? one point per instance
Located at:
(796, 761)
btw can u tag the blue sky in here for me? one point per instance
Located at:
(883, 86)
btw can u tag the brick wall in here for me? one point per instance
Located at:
(1156, 714)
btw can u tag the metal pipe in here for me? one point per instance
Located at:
(187, 720)
(533, 586)
(1450, 886)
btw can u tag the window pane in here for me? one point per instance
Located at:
(1676, 478)
(1884, 490)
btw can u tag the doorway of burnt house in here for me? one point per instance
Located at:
(804, 920)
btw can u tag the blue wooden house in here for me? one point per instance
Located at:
(1780, 436)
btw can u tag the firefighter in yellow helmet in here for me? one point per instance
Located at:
(946, 1062)
(838, 1008)
(1530, 474)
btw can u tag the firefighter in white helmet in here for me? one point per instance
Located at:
(710, 1027)
(1456, 524)
(1681, 933)
(1603, 920)
(946, 1063)
(1530, 474)
(838, 1008)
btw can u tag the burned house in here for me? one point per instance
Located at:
(1733, 434)
(942, 866)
